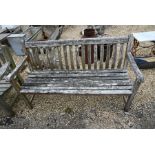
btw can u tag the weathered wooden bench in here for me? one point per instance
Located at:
(56, 67)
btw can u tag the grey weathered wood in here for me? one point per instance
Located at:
(37, 58)
(60, 57)
(95, 57)
(17, 88)
(114, 61)
(120, 56)
(89, 50)
(71, 57)
(85, 41)
(48, 51)
(55, 34)
(101, 56)
(107, 57)
(109, 81)
(77, 57)
(8, 56)
(80, 71)
(17, 69)
(135, 68)
(83, 56)
(131, 97)
(90, 92)
(80, 75)
(65, 57)
(78, 88)
(4, 69)
(59, 82)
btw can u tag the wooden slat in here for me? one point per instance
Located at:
(2, 58)
(114, 61)
(30, 58)
(7, 85)
(95, 92)
(71, 57)
(120, 61)
(95, 57)
(80, 75)
(77, 57)
(83, 56)
(4, 69)
(34, 58)
(101, 56)
(107, 57)
(47, 87)
(89, 56)
(84, 41)
(60, 57)
(17, 69)
(37, 57)
(80, 71)
(49, 63)
(65, 57)
(59, 82)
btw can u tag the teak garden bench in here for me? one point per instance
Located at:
(57, 67)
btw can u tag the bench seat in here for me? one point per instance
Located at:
(78, 82)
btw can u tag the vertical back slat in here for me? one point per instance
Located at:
(120, 61)
(89, 56)
(65, 57)
(107, 57)
(49, 62)
(114, 60)
(44, 53)
(77, 57)
(83, 56)
(60, 57)
(95, 57)
(101, 56)
(37, 57)
(71, 57)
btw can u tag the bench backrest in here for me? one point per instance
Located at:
(82, 54)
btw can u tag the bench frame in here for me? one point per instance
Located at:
(107, 40)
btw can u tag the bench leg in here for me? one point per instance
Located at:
(130, 98)
(16, 86)
(128, 102)
(6, 107)
(28, 103)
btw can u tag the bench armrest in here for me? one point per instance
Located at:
(139, 75)
(16, 70)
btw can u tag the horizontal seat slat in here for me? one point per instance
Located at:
(78, 75)
(74, 81)
(95, 92)
(109, 87)
(5, 85)
(79, 71)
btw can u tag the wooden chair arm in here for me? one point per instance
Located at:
(138, 73)
(16, 70)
